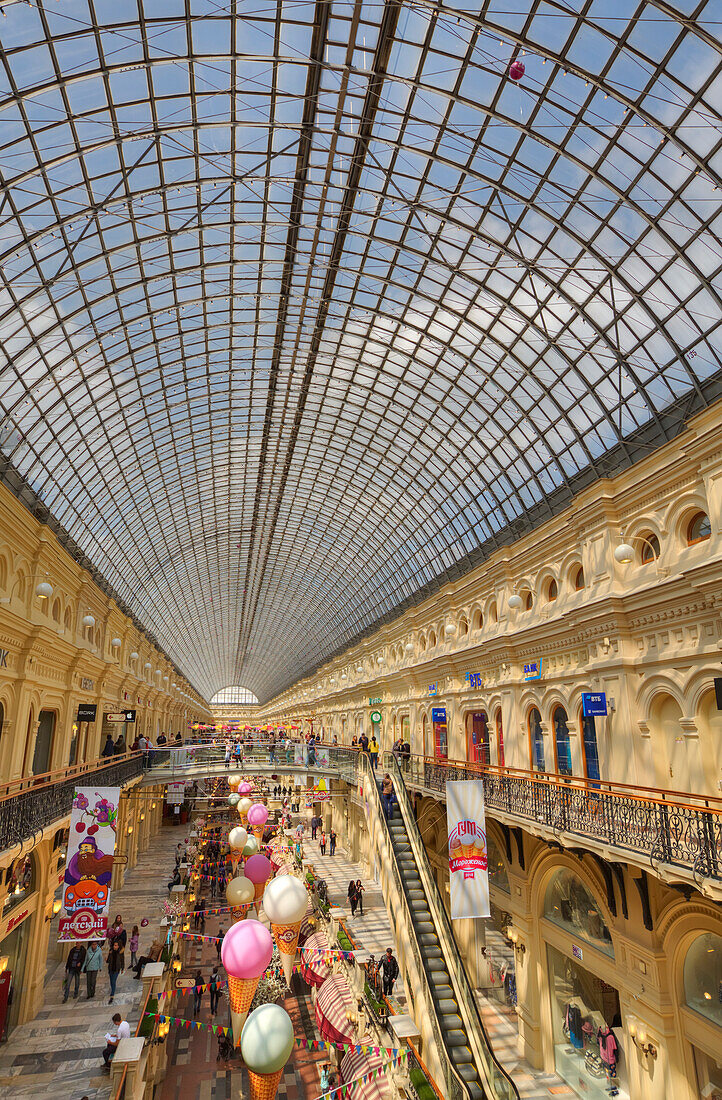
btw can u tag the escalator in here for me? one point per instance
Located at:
(474, 1072)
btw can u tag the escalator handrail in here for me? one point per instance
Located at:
(469, 1009)
(454, 1081)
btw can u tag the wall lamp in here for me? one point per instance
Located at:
(43, 590)
(514, 939)
(639, 1037)
(624, 553)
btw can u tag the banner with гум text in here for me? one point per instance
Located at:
(468, 855)
(89, 867)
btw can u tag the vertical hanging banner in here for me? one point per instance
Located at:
(468, 856)
(91, 852)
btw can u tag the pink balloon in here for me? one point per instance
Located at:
(258, 869)
(247, 949)
(517, 70)
(245, 788)
(258, 814)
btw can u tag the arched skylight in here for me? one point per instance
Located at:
(234, 696)
(306, 310)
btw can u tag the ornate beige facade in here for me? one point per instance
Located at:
(647, 633)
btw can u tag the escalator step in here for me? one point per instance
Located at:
(468, 1073)
(476, 1092)
(451, 1021)
(447, 1004)
(456, 1039)
(430, 953)
(461, 1056)
(435, 966)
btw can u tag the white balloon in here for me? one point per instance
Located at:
(285, 899)
(238, 838)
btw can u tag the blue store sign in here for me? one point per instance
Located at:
(433, 689)
(594, 705)
(474, 679)
(533, 670)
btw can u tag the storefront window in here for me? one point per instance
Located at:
(703, 977)
(586, 1029)
(569, 904)
(709, 1075)
(497, 868)
(561, 741)
(499, 738)
(19, 882)
(497, 978)
(478, 747)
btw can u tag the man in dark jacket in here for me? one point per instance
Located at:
(73, 967)
(389, 970)
(108, 747)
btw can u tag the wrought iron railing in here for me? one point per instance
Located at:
(494, 1077)
(42, 800)
(669, 827)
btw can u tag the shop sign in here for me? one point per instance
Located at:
(434, 689)
(594, 705)
(533, 670)
(175, 793)
(577, 952)
(87, 712)
(91, 853)
(474, 679)
(15, 921)
(377, 701)
(4, 654)
(375, 716)
(119, 716)
(86, 684)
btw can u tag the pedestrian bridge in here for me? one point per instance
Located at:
(201, 761)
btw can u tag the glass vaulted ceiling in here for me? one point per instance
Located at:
(305, 308)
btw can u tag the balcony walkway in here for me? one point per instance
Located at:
(59, 1053)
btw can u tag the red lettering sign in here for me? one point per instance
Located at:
(16, 920)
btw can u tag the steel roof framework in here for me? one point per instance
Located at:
(307, 307)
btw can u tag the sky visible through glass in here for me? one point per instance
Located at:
(305, 307)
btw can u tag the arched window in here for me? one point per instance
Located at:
(56, 611)
(478, 621)
(703, 977)
(19, 881)
(432, 639)
(234, 696)
(493, 613)
(3, 574)
(478, 740)
(699, 529)
(579, 579)
(536, 740)
(463, 628)
(649, 548)
(528, 601)
(569, 904)
(561, 741)
(497, 868)
(499, 726)
(552, 591)
(68, 619)
(2, 720)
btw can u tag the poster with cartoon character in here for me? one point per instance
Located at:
(91, 851)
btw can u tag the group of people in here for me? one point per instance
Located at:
(356, 896)
(368, 745)
(331, 840)
(142, 743)
(89, 961)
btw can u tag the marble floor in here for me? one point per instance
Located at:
(59, 1053)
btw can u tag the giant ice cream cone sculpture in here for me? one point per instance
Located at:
(245, 787)
(240, 894)
(237, 839)
(243, 807)
(257, 818)
(246, 952)
(285, 902)
(258, 869)
(266, 1045)
(233, 781)
(251, 848)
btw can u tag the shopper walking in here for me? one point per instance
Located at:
(387, 796)
(360, 888)
(115, 966)
(73, 968)
(322, 843)
(198, 992)
(91, 966)
(373, 751)
(389, 971)
(332, 843)
(215, 989)
(134, 941)
(352, 897)
(219, 942)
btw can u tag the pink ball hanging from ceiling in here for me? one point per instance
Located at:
(517, 70)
